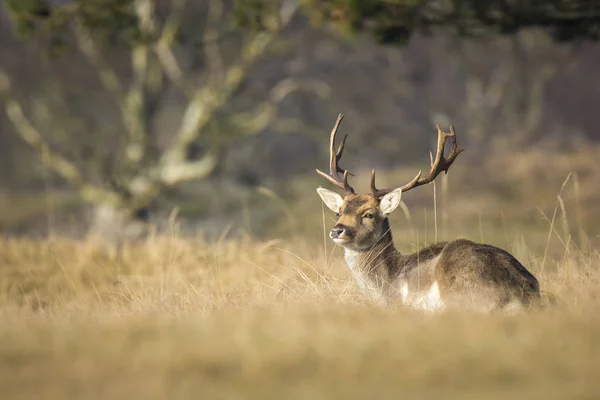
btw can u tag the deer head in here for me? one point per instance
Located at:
(363, 218)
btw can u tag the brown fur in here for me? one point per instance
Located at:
(481, 274)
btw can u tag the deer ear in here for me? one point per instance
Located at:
(390, 201)
(331, 199)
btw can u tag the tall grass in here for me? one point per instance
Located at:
(179, 318)
(183, 318)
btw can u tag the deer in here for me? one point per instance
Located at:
(444, 275)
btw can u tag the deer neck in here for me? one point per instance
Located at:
(376, 266)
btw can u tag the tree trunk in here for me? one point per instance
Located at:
(112, 226)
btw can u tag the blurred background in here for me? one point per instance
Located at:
(118, 116)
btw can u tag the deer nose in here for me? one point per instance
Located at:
(336, 233)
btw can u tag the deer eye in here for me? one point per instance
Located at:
(337, 214)
(368, 216)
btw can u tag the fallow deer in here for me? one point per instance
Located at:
(446, 274)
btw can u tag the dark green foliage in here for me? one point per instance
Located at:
(110, 19)
(393, 21)
(255, 15)
(116, 20)
(249, 13)
(25, 13)
(113, 18)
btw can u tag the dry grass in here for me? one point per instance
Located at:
(180, 318)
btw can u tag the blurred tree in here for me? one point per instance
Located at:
(393, 21)
(504, 95)
(119, 165)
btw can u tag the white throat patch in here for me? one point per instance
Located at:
(364, 281)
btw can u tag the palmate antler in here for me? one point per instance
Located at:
(441, 163)
(334, 158)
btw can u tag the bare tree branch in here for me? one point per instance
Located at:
(87, 46)
(290, 85)
(146, 187)
(213, 57)
(152, 59)
(209, 98)
(134, 111)
(257, 121)
(53, 160)
(163, 47)
(172, 174)
(132, 101)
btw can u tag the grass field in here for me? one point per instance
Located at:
(181, 318)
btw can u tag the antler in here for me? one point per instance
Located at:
(440, 164)
(334, 158)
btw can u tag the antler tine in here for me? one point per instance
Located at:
(440, 164)
(339, 153)
(334, 158)
(382, 192)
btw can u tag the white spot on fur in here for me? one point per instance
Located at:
(434, 300)
(513, 308)
(429, 300)
(404, 292)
